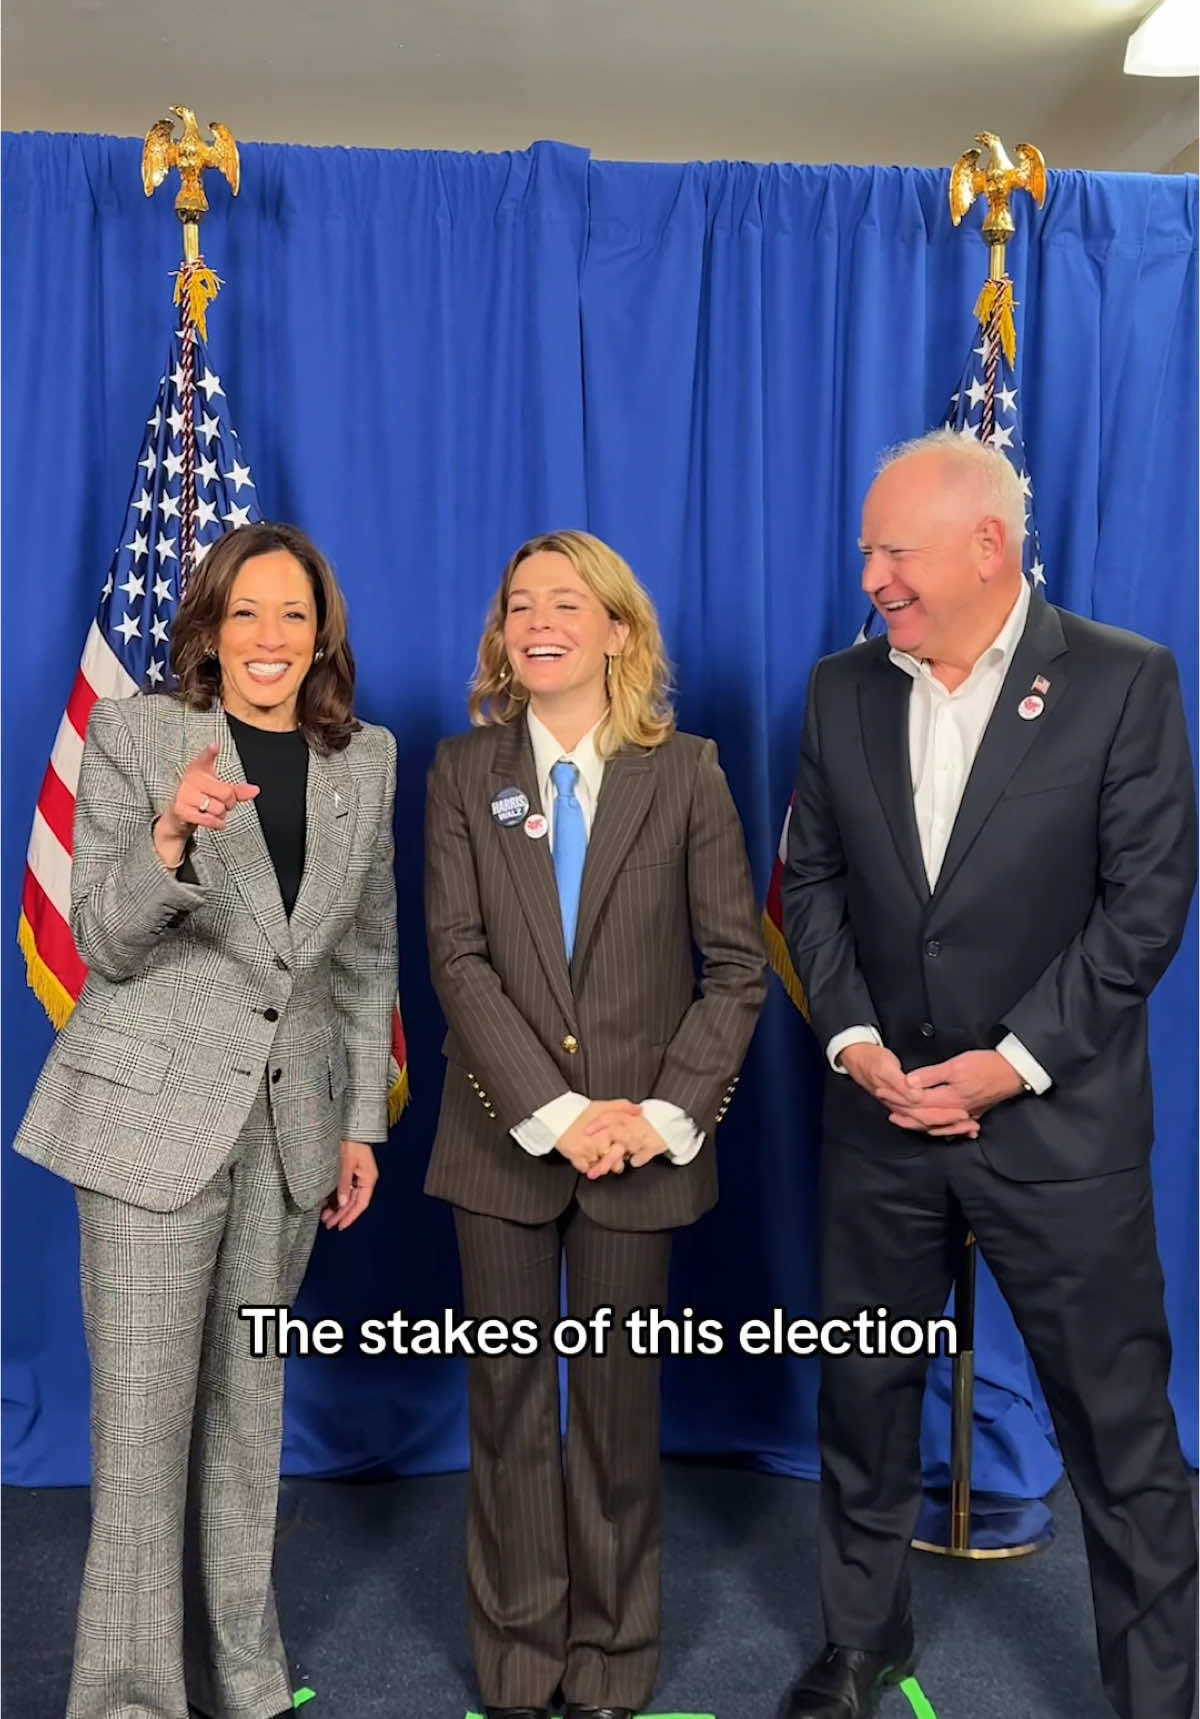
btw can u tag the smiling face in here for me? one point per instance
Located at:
(557, 633)
(931, 558)
(267, 639)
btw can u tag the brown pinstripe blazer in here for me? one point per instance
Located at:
(666, 865)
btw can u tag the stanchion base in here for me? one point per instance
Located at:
(1000, 1527)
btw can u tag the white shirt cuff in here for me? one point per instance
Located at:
(541, 1132)
(682, 1136)
(1026, 1065)
(852, 1036)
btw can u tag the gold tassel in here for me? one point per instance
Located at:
(195, 288)
(781, 962)
(996, 299)
(398, 1098)
(57, 1002)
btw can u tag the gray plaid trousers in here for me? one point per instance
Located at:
(177, 1601)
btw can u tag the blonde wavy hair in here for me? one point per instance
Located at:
(639, 679)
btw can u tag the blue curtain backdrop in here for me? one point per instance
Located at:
(428, 358)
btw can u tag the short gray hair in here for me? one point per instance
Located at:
(991, 470)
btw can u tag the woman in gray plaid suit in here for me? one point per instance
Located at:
(214, 1095)
(579, 853)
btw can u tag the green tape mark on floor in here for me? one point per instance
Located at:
(917, 1699)
(303, 1695)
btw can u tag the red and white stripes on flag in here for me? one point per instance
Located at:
(190, 486)
(55, 971)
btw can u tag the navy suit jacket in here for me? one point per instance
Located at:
(1062, 897)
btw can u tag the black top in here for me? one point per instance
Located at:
(277, 763)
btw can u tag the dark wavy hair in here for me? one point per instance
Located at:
(325, 704)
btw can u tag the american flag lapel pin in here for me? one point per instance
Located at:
(1041, 684)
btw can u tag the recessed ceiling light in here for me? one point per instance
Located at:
(1167, 43)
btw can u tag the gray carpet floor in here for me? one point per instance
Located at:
(372, 1604)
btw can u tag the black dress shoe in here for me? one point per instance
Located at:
(847, 1683)
(575, 1711)
(517, 1713)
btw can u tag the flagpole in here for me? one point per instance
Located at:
(196, 286)
(954, 1526)
(126, 649)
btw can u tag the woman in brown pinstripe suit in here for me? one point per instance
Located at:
(579, 851)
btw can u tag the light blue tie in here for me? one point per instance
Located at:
(570, 846)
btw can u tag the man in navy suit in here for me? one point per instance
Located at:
(990, 862)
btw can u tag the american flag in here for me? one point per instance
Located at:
(972, 414)
(968, 408)
(127, 650)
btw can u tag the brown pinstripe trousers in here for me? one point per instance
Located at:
(563, 1561)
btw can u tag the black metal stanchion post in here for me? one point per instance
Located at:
(957, 1523)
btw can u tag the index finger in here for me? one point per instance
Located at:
(203, 759)
(932, 1116)
(933, 1074)
(895, 1091)
(356, 1205)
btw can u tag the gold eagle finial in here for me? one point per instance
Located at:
(997, 181)
(196, 286)
(192, 156)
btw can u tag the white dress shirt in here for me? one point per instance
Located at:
(944, 731)
(541, 1132)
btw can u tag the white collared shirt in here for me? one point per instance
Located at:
(541, 1132)
(944, 732)
(547, 753)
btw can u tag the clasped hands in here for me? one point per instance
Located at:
(946, 1099)
(609, 1134)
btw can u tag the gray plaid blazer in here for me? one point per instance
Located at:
(197, 992)
(666, 874)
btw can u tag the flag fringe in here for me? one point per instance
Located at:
(781, 963)
(398, 1097)
(46, 987)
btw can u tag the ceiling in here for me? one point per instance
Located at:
(866, 81)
